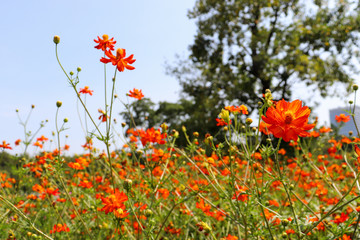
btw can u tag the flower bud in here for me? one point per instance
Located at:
(56, 39)
(248, 121)
(175, 133)
(71, 73)
(127, 184)
(58, 104)
(355, 87)
(285, 222)
(148, 213)
(33, 106)
(123, 124)
(78, 69)
(164, 127)
(183, 128)
(66, 120)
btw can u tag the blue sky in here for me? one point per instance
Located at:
(154, 31)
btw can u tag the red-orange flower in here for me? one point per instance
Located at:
(103, 117)
(340, 219)
(221, 122)
(105, 43)
(230, 237)
(42, 139)
(38, 144)
(5, 145)
(342, 118)
(114, 202)
(119, 60)
(17, 142)
(136, 93)
(60, 228)
(288, 120)
(86, 90)
(325, 129)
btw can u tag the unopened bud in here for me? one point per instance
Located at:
(58, 104)
(175, 133)
(164, 127)
(355, 87)
(78, 69)
(248, 121)
(127, 184)
(56, 39)
(148, 213)
(66, 120)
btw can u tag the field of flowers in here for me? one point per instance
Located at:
(280, 176)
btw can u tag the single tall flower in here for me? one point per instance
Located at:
(136, 93)
(86, 90)
(5, 145)
(105, 43)
(119, 60)
(288, 120)
(342, 118)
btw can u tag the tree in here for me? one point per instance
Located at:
(243, 47)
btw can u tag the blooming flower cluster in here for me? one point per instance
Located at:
(119, 59)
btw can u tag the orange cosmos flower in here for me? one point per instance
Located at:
(38, 144)
(103, 117)
(221, 122)
(105, 43)
(5, 145)
(136, 93)
(340, 219)
(288, 120)
(86, 90)
(60, 228)
(324, 129)
(42, 139)
(119, 60)
(114, 202)
(342, 118)
(17, 142)
(230, 237)
(239, 109)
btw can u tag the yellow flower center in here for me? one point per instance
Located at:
(289, 117)
(119, 53)
(105, 37)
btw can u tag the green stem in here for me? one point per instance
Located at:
(19, 212)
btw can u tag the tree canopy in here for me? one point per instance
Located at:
(243, 47)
